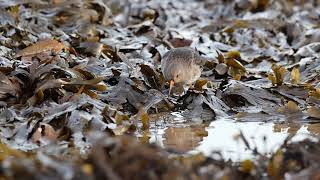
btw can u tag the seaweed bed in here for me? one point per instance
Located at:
(81, 85)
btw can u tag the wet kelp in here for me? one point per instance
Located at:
(71, 68)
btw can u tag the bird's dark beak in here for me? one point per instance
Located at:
(170, 87)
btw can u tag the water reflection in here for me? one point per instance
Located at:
(314, 128)
(184, 139)
(219, 135)
(173, 132)
(266, 137)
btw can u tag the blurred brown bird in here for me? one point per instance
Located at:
(181, 65)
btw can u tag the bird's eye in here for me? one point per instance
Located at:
(177, 75)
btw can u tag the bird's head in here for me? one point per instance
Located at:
(177, 75)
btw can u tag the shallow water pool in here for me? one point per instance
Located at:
(176, 134)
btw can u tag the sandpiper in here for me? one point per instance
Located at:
(181, 65)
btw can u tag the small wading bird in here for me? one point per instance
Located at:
(181, 66)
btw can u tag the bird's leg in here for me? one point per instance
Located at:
(189, 86)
